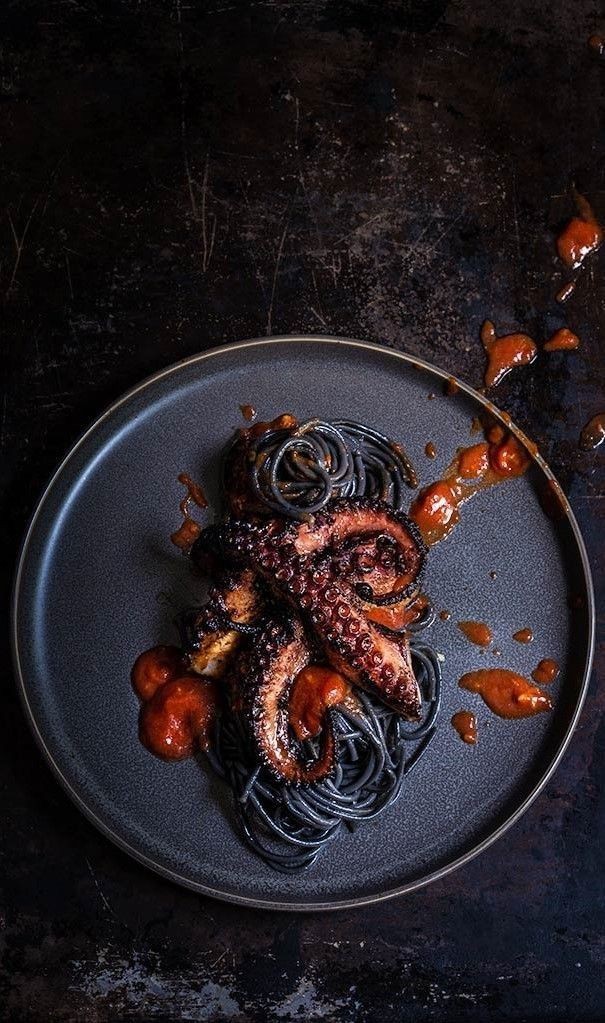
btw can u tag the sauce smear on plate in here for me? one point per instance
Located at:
(506, 693)
(478, 632)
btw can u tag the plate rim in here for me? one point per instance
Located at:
(270, 903)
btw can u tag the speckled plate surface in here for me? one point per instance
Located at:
(98, 581)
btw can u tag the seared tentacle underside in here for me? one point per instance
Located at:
(329, 573)
(266, 674)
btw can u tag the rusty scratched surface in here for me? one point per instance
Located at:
(178, 175)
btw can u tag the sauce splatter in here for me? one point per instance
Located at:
(523, 636)
(177, 719)
(477, 632)
(564, 293)
(188, 532)
(545, 672)
(248, 412)
(398, 616)
(451, 387)
(506, 694)
(315, 689)
(493, 575)
(505, 353)
(436, 509)
(465, 723)
(593, 434)
(445, 615)
(431, 396)
(430, 450)
(580, 237)
(562, 340)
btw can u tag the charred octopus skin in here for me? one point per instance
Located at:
(213, 633)
(302, 560)
(265, 675)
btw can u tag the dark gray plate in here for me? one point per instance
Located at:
(98, 581)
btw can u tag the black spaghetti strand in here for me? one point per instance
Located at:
(296, 472)
(289, 826)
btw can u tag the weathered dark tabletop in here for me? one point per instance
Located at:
(179, 175)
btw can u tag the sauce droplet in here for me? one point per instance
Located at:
(577, 240)
(504, 353)
(155, 667)
(445, 615)
(177, 719)
(493, 575)
(315, 689)
(248, 412)
(465, 723)
(431, 396)
(477, 632)
(563, 340)
(473, 462)
(593, 433)
(506, 694)
(430, 450)
(597, 44)
(188, 532)
(451, 387)
(565, 292)
(523, 636)
(545, 672)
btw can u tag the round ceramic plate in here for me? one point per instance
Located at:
(99, 581)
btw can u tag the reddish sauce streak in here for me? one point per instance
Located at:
(155, 667)
(315, 689)
(248, 412)
(178, 718)
(506, 694)
(563, 340)
(473, 462)
(523, 636)
(188, 532)
(564, 292)
(546, 672)
(284, 422)
(504, 353)
(436, 509)
(597, 44)
(578, 239)
(430, 450)
(593, 433)
(445, 615)
(397, 616)
(194, 493)
(478, 632)
(465, 724)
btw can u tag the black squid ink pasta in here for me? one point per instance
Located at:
(296, 473)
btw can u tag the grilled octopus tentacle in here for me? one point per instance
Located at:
(295, 559)
(267, 672)
(214, 632)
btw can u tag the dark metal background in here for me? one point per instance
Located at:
(177, 175)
